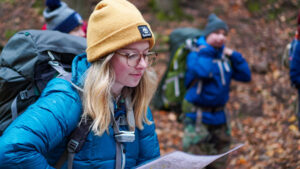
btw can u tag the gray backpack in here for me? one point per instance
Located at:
(28, 61)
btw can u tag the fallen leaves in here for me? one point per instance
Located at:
(293, 128)
(168, 130)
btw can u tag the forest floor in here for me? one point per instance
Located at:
(262, 112)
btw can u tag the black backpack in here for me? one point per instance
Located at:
(26, 66)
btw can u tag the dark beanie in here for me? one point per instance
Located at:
(60, 17)
(53, 4)
(213, 24)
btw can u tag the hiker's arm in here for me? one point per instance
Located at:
(240, 68)
(200, 65)
(294, 67)
(39, 130)
(148, 142)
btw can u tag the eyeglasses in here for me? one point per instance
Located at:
(133, 59)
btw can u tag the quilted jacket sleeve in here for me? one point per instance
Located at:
(41, 127)
(241, 70)
(148, 142)
(294, 66)
(201, 66)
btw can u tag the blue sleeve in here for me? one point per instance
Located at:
(40, 128)
(241, 70)
(200, 65)
(295, 65)
(148, 142)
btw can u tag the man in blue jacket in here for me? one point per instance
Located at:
(295, 72)
(208, 76)
(294, 67)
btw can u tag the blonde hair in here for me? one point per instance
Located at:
(98, 100)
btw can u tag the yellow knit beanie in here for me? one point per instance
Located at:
(115, 24)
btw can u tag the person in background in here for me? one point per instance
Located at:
(208, 77)
(60, 17)
(295, 66)
(117, 84)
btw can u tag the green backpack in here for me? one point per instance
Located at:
(171, 89)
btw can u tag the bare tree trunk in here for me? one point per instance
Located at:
(169, 9)
(80, 6)
(166, 6)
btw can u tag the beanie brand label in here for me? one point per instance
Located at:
(145, 32)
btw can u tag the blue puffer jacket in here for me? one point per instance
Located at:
(294, 64)
(214, 72)
(37, 138)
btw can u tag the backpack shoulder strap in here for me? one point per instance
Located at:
(75, 143)
(123, 136)
(63, 74)
(79, 135)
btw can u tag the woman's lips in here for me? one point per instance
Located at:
(136, 74)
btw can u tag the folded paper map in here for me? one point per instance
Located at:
(182, 160)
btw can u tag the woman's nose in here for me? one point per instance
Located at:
(142, 63)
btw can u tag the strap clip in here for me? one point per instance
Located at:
(72, 146)
(24, 95)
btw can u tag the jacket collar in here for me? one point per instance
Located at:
(79, 67)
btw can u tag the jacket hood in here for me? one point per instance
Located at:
(79, 67)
